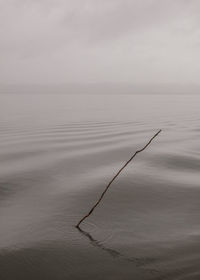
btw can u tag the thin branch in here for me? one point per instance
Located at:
(120, 170)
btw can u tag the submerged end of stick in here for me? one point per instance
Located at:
(78, 224)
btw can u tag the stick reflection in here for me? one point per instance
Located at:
(138, 262)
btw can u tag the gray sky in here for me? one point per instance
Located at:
(100, 41)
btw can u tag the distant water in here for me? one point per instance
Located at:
(58, 152)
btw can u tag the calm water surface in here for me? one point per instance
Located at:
(58, 152)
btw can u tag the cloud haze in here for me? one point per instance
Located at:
(92, 41)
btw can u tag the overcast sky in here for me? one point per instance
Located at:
(100, 41)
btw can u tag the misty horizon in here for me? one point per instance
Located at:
(100, 88)
(81, 42)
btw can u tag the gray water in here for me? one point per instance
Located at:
(57, 154)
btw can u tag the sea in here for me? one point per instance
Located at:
(57, 154)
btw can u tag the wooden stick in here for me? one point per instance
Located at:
(120, 170)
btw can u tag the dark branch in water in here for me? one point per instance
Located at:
(102, 195)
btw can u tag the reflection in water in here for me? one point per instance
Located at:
(56, 158)
(138, 262)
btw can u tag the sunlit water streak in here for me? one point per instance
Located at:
(57, 155)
